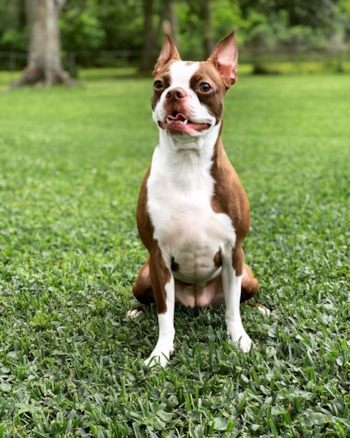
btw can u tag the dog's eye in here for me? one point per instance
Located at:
(158, 85)
(204, 87)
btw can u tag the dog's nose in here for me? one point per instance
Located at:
(176, 94)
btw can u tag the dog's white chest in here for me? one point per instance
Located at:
(186, 228)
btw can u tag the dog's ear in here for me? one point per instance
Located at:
(225, 58)
(168, 52)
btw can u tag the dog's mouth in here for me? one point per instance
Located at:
(179, 123)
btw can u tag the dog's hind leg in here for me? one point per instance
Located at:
(250, 287)
(142, 288)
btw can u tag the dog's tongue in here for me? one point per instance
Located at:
(179, 117)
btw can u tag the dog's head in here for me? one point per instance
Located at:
(188, 96)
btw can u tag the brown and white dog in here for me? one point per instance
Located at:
(193, 213)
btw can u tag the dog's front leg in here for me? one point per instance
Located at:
(232, 292)
(163, 285)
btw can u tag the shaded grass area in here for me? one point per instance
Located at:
(72, 161)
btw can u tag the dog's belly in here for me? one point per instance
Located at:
(193, 254)
(202, 295)
(196, 240)
(197, 269)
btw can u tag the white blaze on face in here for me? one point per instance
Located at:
(181, 73)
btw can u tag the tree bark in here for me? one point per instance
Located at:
(166, 22)
(170, 20)
(148, 36)
(208, 42)
(44, 49)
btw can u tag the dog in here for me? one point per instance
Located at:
(193, 213)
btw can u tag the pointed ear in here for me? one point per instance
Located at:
(168, 52)
(225, 59)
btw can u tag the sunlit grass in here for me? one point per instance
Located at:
(71, 164)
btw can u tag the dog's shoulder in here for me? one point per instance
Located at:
(144, 223)
(229, 195)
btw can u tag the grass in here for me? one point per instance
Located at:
(72, 161)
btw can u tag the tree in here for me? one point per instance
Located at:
(148, 35)
(274, 22)
(44, 50)
(208, 43)
(135, 28)
(156, 15)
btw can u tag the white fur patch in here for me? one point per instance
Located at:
(134, 313)
(180, 189)
(263, 309)
(232, 291)
(181, 73)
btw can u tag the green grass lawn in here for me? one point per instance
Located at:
(71, 163)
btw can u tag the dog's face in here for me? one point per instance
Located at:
(188, 96)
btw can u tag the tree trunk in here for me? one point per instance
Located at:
(148, 36)
(170, 20)
(166, 20)
(44, 51)
(208, 43)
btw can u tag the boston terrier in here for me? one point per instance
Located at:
(193, 213)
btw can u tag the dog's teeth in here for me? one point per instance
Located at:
(178, 122)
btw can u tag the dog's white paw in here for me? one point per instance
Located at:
(242, 340)
(245, 343)
(264, 310)
(135, 312)
(158, 358)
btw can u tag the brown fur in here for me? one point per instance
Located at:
(217, 259)
(154, 268)
(163, 75)
(143, 290)
(213, 99)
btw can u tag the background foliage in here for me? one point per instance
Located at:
(114, 25)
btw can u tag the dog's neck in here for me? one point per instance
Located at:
(187, 161)
(202, 145)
